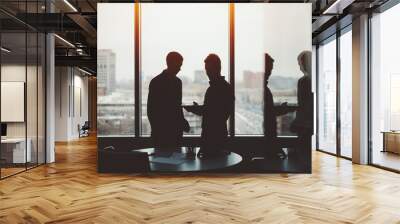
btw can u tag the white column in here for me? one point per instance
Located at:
(50, 100)
(360, 90)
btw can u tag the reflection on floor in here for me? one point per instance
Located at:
(10, 171)
(386, 159)
(293, 163)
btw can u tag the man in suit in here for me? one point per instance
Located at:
(271, 112)
(218, 106)
(164, 106)
(303, 123)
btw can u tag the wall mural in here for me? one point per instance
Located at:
(204, 87)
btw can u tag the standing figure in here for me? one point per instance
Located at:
(303, 123)
(164, 106)
(218, 106)
(271, 112)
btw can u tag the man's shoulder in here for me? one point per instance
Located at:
(178, 80)
(157, 79)
(230, 88)
(226, 84)
(267, 90)
(305, 80)
(226, 88)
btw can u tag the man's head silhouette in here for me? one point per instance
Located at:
(304, 60)
(174, 62)
(212, 66)
(269, 65)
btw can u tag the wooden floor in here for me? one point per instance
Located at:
(71, 191)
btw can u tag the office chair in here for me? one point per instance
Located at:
(84, 130)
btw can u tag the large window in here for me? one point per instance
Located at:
(346, 94)
(268, 33)
(327, 96)
(385, 89)
(335, 73)
(196, 30)
(115, 69)
(183, 28)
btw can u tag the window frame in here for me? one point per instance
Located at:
(334, 37)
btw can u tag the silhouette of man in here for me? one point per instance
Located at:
(303, 123)
(164, 106)
(271, 112)
(218, 106)
(304, 115)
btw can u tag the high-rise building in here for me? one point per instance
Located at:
(200, 77)
(252, 79)
(105, 71)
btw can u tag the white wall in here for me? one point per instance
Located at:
(62, 81)
(12, 73)
(33, 126)
(71, 87)
(17, 73)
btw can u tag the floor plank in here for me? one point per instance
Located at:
(71, 191)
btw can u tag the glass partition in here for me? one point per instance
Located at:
(15, 151)
(23, 91)
(327, 96)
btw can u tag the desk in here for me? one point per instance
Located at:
(391, 141)
(194, 164)
(13, 150)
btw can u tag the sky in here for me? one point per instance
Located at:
(195, 30)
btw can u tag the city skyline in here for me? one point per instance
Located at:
(251, 43)
(190, 37)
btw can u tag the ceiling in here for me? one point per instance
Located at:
(76, 21)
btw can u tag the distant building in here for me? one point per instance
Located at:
(105, 72)
(200, 77)
(252, 80)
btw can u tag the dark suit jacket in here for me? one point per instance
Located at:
(218, 106)
(270, 124)
(303, 123)
(164, 110)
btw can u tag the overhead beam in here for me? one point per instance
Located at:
(49, 22)
(77, 61)
(338, 6)
(85, 25)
